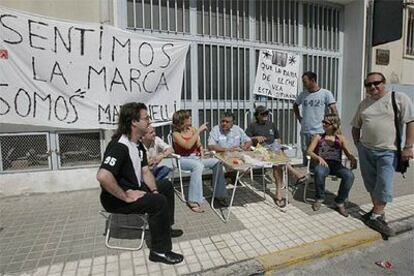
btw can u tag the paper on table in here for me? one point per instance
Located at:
(255, 162)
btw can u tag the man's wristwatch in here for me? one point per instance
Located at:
(409, 146)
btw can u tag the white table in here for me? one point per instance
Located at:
(241, 170)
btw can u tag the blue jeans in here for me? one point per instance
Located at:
(160, 172)
(196, 165)
(339, 170)
(377, 170)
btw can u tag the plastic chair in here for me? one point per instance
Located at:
(108, 217)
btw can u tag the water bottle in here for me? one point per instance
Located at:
(276, 147)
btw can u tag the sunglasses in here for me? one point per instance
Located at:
(327, 123)
(375, 83)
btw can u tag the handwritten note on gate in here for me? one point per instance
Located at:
(77, 75)
(277, 74)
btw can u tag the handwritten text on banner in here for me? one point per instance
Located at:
(277, 74)
(77, 75)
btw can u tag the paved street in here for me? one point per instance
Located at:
(62, 233)
(399, 251)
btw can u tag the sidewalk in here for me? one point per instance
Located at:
(62, 233)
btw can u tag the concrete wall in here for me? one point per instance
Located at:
(97, 11)
(79, 10)
(400, 70)
(47, 181)
(354, 56)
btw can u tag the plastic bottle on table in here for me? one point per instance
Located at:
(275, 146)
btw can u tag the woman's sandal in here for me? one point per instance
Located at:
(195, 207)
(281, 203)
(301, 180)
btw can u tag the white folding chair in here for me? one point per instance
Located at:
(177, 166)
(175, 162)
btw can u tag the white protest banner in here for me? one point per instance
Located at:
(277, 74)
(77, 75)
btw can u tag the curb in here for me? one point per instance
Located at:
(265, 264)
(331, 246)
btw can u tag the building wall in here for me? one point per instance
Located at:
(354, 55)
(53, 180)
(325, 50)
(400, 69)
(81, 10)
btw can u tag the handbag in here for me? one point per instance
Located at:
(401, 165)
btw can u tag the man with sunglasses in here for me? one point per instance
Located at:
(315, 102)
(374, 135)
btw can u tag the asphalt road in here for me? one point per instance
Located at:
(398, 250)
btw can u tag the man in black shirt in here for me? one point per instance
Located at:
(123, 166)
(264, 132)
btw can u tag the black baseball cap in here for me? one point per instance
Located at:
(261, 109)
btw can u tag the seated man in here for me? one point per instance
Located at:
(123, 192)
(262, 131)
(227, 136)
(157, 150)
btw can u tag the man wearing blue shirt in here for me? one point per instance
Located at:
(315, 102)
(227, 136)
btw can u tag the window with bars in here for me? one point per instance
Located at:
(409, 37)
(321, 27)
(52, 150)
(223, 18)
(223, 73)
(277, 21)
(79, 149)
(24, 151)
(159, 15)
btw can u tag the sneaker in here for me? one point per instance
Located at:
(367, 216)
(316, 205)
(342, 210)
(380, 225)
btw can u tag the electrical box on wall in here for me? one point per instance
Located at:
(382, 57)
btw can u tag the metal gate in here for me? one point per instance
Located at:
(226, 37)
